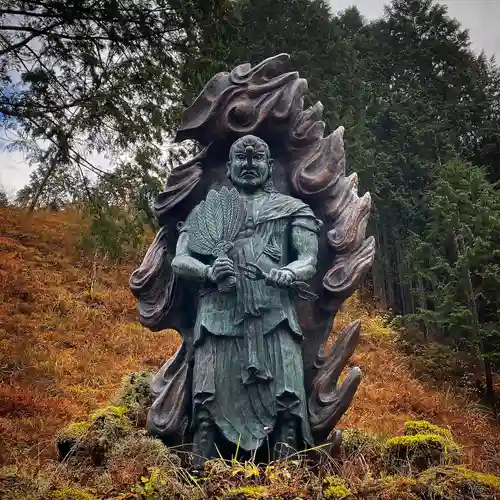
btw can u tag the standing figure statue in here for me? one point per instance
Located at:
(253, 259)
(248, 378)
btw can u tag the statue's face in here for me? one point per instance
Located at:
(249, 164)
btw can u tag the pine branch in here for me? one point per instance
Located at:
(28, 39)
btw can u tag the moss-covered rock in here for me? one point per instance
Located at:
(390, 488)
(413, 427)
(335, 488)
(459, 483)
(424, 445)
(135, 396)
(488, 480)
(93, 438)
(417, 452)
(69, 440)
(453, 450)
(70, 494)
(436, 483)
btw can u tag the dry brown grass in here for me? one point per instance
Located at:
(69, 334)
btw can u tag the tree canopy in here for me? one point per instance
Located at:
(421, 112)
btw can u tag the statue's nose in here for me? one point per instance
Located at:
(249, 151)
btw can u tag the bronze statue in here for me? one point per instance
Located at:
(242, 268)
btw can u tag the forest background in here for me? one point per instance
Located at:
(420, 109)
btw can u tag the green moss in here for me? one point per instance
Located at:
(358, 442)
(459, 483)
(109, 411)
(390, 488)
(97, 436)
(488, 480)
(414, 427)
(335, 488)
(148, 452)
(423, 445)
(75, 430)
(70, 439)
(419, 451)
(70, 494)
(436, 483)
(135, 395)
(416, 441)
(245, 493)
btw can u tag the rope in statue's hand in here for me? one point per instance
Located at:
(254, 272)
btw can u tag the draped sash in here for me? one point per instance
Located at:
(251, 304)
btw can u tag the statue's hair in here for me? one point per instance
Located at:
(250, 140)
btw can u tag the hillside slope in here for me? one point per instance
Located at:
(69, 333)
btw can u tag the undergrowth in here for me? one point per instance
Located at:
(132, 465)
(68, 332)
(69, 340)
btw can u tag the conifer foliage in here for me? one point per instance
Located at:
(86, 77)
(421, 112)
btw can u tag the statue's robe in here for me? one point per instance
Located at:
(247, 342)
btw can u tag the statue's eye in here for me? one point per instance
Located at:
(259, 156)
(240, 157)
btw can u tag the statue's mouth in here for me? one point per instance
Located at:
(249, 174)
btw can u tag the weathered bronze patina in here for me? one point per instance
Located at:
(254, 257)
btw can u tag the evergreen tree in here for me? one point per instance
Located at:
(432, 98)
(62, 187)
(458, 256)
(81, 77)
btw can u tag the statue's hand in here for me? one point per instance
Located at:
(222, 268)
(280, 278)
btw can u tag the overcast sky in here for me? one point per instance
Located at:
(480, 17)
